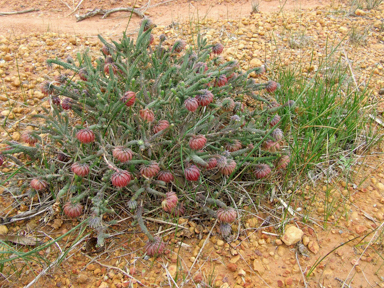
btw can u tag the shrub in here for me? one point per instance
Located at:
(150, 125)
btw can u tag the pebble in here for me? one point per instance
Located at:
(82, 278)
(360, 229)
(313, 246)
(258, 266)
(232, 267)
(292, 235)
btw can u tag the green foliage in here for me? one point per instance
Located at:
(132, 104)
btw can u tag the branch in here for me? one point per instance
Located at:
(19, 12)
(106, 13)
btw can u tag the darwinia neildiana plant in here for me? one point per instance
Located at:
(144, 122)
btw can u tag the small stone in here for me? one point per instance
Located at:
(235, 259)
(241, 273)
(280, 283)
(292, 235)
(82, 278)
(359, 12)
(3, 230)
(258, 266)
(220, 242)
(380, 186)
(16, 136)
(104, 285)
(16, 83)
(305, 240)
(278, 242)
(97, 271)
(289, 281)
(232, 267)
(255, 63)
(313, 246)
(360, 229)
(91, 267)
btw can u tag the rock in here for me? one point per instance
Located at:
(292, 235)
(235, 259)
(380, 186)
(82, 278)
(280, 283)
(220, 242)
(258, 266)
(381, 91)
(241, 273)
(5, 98)
(313, 246)
(305, 240)
(172, 270)
(232, 267)
(360, 229)
(198, 278)
(343, 29)
(225, 285)
(278, 242)
(255, 63)
(359, 12)
(3, 230)
(91, 267)
(104, 285)
(289, 281)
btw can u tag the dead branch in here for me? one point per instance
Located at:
(19, 12)
(106, 13)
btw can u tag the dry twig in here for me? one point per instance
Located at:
(106, 13)
(19, 12)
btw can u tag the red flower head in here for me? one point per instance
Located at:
(122, 154)
(38, 184)
(205, 98)
(191, 104)
(47, 88)
(85, 136)
(170, 201)
(283, 162)
(121, 178)
(197, 142)
(271, 145)
(234, 146)
(212, 163)
(221, 81)
(161, 125)
(73, 210)
(198, 67)
(277, 134)
(226, 215)
(66, 104)
(192, 173)
(226, 166)
(275, 120)
(217, 48)
(179, 46)
(80, 169)
(154, 248)
(28, 137)
(272, 86)
(165, 176)
(128, 98)
(262, 171)
(228, 104)
(83, 74)
(150, 170)
(147, 115)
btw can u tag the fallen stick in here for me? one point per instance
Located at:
(19, 12)
(106, 13)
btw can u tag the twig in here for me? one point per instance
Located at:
(19, 12)
(164, 222)
(116, 268)
(302, 273)
(53, 263)
(66, 4)
(202, 247)
(106, 13)
(77, 7)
